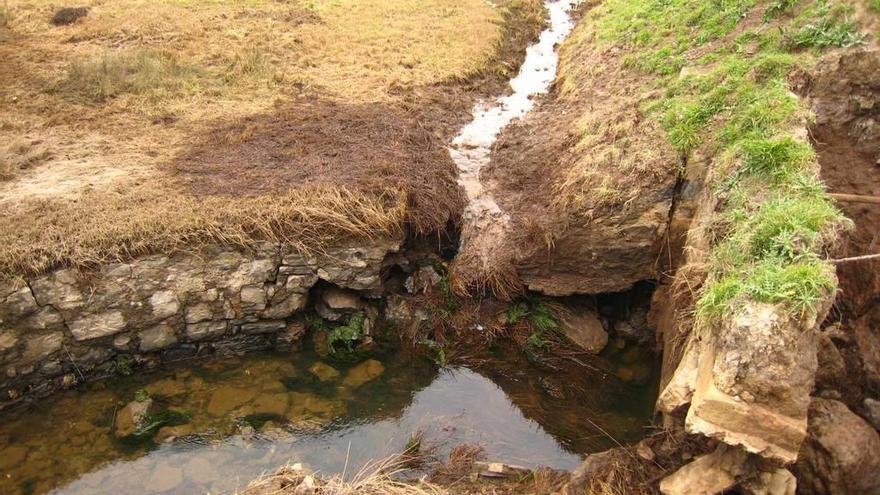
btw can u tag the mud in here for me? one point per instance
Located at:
(586, 179)
(485, 224)
(845, 95)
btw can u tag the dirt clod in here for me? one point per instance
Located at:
(69, 15)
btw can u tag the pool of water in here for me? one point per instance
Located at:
(236, 419)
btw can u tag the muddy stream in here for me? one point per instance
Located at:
(484, 221)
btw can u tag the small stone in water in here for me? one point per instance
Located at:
(324, 371)
(227, 398)
(131, 417)
(271, 404)
(365, 372)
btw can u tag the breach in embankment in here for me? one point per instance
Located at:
(185, 184)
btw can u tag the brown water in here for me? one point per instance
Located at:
(250, 415)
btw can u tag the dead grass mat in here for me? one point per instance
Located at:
(218, 142)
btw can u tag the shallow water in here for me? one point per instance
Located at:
(470, 150)
(251, 415)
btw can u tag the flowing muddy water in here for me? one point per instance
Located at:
(238, 418)
(483, 220)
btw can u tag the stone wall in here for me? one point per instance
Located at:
(64, 326)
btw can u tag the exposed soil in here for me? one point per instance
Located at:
(845, 94)
(567, 205)
(852, 169)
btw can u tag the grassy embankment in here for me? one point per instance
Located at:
(720, 90)
(109, 123)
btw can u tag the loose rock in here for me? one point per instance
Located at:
(324, 372)
(132, 417)
(841, 453)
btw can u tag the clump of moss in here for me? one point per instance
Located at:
(347, 335)
(542, 323)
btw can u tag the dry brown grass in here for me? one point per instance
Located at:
(159, 74)
(377, 478)
(154, 217)
(21, 154)
(617, 153)
(129, 89)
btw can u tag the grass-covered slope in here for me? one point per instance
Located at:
(153, 126)
(720, 73)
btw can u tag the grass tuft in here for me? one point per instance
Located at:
(5, 15)
(138, 72)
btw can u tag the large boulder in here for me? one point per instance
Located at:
(841, 454)
(753, 380)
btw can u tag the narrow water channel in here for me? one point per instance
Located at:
(484, 220)
(239, 418)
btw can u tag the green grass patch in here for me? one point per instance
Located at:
(824, 24)
(139, 72)
(734, 102)
(798, 286)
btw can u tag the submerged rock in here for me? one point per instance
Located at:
(275, 404)
(841, 453)
(166, 388)
(169, 433)
(582, 326)
(132, 418)
(226, 398)
(11, 456)
(324, 371)
(365, 372)
(307, 407)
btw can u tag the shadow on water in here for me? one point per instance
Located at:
(250, 415)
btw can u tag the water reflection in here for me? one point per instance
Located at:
(251, 415)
